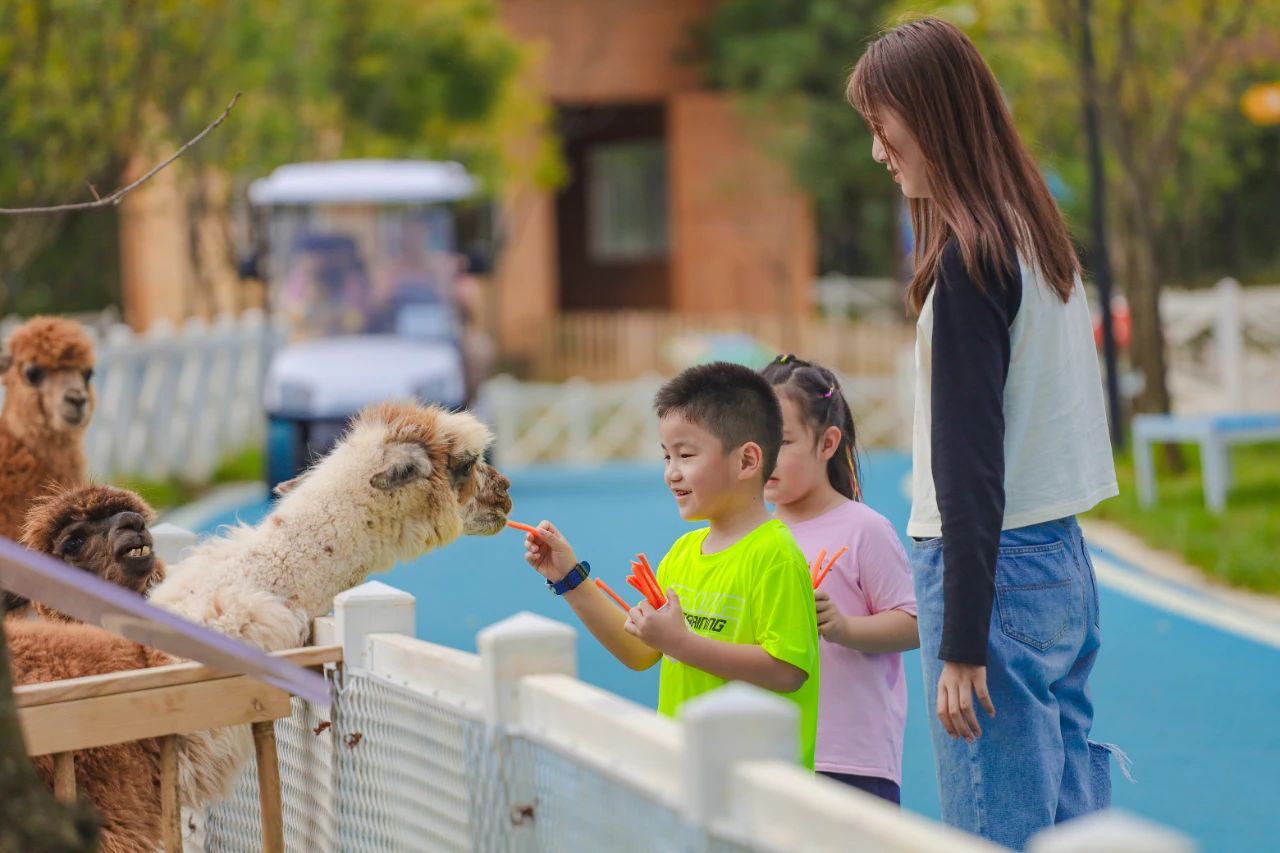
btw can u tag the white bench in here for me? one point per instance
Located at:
(1214, 433)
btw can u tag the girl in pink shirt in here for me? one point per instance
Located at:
(866, 605)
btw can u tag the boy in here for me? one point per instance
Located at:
(745, 583)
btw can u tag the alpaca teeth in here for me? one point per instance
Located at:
(140, 551)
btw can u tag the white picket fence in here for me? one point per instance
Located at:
(1224, 347)
(175, 401)
(427, 748)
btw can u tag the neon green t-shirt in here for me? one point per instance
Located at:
(755, 592)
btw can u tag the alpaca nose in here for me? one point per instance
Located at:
(76, 398)
(129, 521)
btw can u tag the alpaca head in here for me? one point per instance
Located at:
(47, 367)
(98, 529)
(420, 473)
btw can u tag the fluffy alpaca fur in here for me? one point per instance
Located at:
(404, 480)
(99, 529)
(48, 402)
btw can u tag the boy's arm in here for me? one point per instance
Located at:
(605, 622)
(666, 631)
(550, 554)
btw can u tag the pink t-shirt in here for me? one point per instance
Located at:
(862, 707)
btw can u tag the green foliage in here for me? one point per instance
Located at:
(245, 465)
(89, 86)
(1237, 547)
(1170, 75)
(789, 60)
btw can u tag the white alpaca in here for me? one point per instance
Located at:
(405, 479)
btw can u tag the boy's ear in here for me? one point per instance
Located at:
(751, 460)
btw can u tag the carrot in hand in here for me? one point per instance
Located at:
(826, 570)
(604, 587)
(527, 528)
(651, 580)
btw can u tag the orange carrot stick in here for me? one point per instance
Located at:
(652, 578)
(816, 568)
(826, 570)
(527, 528)
(604, 587)
(640, 588)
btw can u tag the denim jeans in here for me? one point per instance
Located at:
(1034, 765)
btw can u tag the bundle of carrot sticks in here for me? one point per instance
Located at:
(643, 579)
(818, 571)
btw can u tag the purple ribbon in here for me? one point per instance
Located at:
(120, 611)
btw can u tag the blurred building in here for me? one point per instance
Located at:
(669, 204)
(670, 207)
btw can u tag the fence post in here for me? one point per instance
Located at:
(735, 723)
(371, 608)
(170, 542)
(1229, 338)
(1110, 831)
(520, 645)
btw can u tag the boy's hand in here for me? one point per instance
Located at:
(549, 552)
(831, 621)
(663, 629)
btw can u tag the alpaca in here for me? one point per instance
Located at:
(404, 480)
(48, 401)
(99, 529)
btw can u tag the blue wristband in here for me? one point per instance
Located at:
(572, 580)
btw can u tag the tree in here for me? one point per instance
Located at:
(787, 60)
(1168, 76)
(91, 87)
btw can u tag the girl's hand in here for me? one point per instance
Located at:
(549, 552)
(663, 629)
(831, 621)
(956, 688)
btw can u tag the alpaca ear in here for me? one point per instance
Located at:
(403, 463)
(288, 486)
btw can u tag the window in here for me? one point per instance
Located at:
(627, 200)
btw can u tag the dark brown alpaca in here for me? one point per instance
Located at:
(98, 529)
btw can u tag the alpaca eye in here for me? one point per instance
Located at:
(88, 375)
(34, 374)
(73, 544)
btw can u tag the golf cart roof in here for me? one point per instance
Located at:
(363, 182)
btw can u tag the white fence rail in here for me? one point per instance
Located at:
(427, 748)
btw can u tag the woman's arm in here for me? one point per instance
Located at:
(970, 363)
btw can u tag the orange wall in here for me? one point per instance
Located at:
(610, 50)
(744, 236)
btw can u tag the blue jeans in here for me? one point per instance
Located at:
(1034, 765)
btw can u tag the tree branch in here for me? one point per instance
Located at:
(119, 194)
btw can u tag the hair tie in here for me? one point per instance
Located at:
(783, 358)
(830, 391)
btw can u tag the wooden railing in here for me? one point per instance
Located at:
(59, 718)
(610, 345)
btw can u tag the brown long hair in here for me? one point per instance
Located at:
(987, 192)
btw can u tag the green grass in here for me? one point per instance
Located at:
(1241, 547)
(243, 465)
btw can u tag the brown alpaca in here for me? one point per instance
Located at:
(48, 402)
(99, 529)
(404, 480)
(130, 805)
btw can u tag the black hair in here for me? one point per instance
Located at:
(732, 402)
(816, 392)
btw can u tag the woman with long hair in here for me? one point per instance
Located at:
(1010, 442)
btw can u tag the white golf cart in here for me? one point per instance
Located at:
(360, 262)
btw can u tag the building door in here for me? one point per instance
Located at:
(613, 240)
